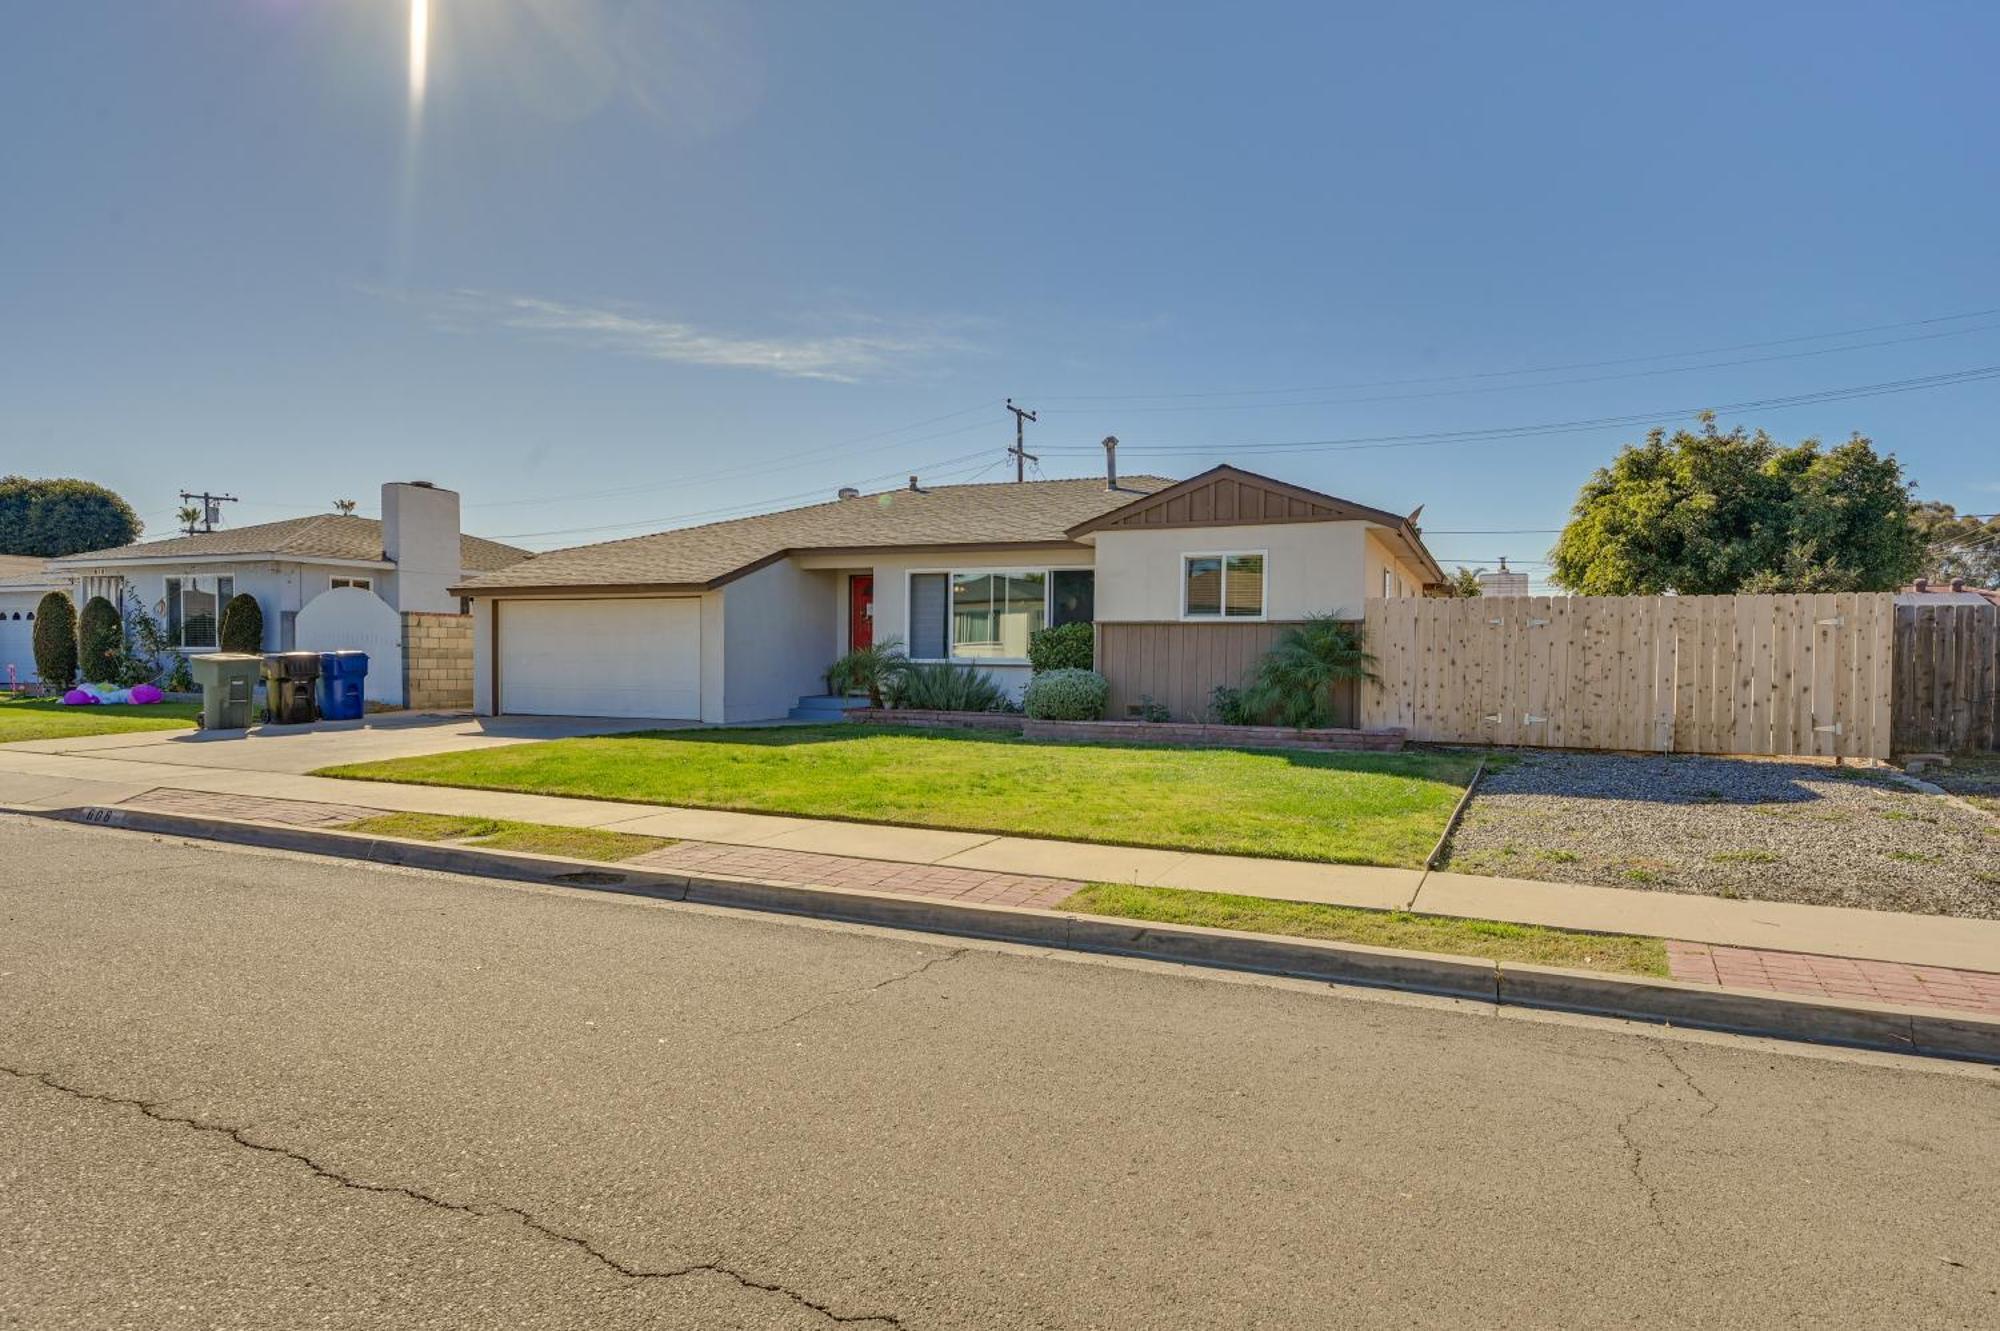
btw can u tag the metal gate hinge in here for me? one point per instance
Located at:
(1538, 623)
(1833, 729)
(1530, 719)
(1835, 622)
(1492, 720)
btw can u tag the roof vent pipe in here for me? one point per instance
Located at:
(913, 484)
(849, 492)
(1111, 462)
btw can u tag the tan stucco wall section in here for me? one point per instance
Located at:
(1405, 578)
(1310, 568)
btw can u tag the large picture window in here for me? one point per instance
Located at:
(1223, 586)
(194, 610)
(986, 614)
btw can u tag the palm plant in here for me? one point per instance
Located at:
(873, 670)
(1296, 680)
(934, 686)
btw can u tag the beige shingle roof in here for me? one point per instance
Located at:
(1032, 512)
(321, 536)
(18, 571)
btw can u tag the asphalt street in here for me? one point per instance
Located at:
(241, 1089)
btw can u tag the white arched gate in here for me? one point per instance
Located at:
(351, 619)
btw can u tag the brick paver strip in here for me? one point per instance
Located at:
(1835, 977)
(250, 808)
(917, 880)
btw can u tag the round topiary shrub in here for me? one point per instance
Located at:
(100, 641)
(1064, 647)
(1066, 695)
(55, 642)
(242, 625)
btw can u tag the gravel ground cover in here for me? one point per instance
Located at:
(1973, 777)
(1800, 832)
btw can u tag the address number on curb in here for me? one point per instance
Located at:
(104, 817)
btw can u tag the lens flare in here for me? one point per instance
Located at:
(420, 48)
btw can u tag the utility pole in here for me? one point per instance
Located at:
(1022, 457)
(210, 514)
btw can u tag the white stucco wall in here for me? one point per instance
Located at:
(778, 638)
(420, 537)
(482, 656)
(1310, 568)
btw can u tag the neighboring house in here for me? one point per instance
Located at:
(24, 581)
(323, 581)
(737, 621)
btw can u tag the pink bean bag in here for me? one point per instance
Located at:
(145, 693)
(78, 698)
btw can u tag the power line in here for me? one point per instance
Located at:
(743, 509)
(1547, 383)
(1439, 438)
(1541, 369)
(765, 464)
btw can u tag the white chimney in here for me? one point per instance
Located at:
(1111, 462)
(420, 537)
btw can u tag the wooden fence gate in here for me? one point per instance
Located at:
(1947, 678)
(1675, 674)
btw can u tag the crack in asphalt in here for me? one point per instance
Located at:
(846, 994)
(1708, 1103)
(157, 1111)
(1636, 1154)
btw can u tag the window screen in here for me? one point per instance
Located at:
(1204, 585)
(1243, 593)
(1074, 596)
(929, 609)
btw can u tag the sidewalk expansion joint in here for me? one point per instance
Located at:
(159, 1113)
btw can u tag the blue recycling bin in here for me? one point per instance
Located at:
(340, 685)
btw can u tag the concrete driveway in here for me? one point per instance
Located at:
(299, 749)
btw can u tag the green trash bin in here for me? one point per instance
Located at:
(228, 683)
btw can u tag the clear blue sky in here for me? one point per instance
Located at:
(627, 263)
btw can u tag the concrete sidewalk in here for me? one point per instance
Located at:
(33, 779)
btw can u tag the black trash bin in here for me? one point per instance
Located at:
(290, 679)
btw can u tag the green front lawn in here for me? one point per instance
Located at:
(1335, 807)
(1626, 954)
(45, 718)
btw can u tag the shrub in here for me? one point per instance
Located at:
(948, 688)
(1064, 647)
(1067, 695)
(873, 670)
(1296, 679)
(242, 625)
(1149, 708)
(100, 641)
(1226, 708)
(55, 642)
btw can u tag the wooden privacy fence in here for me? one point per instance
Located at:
(1680, 674)
(1947, 697)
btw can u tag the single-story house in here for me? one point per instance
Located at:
(1186, 582)
(24, 581)
(325, 581)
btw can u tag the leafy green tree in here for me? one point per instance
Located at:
(100, 641)
(55, 641)
(1296, 680)
(1709, 513)
(62, 516)
(1958, 546)
(242, 625)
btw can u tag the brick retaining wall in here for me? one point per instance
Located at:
(1010, 722)
(1145, 732)
(1233, 737)
(437, 661)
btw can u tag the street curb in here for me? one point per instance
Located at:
(1927, 1031)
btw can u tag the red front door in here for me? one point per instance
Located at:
(860, 611)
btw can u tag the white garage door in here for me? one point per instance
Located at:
(17, 644)
(600, 658)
